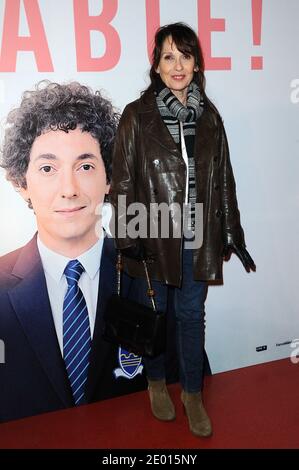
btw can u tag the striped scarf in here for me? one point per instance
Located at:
(173, 112)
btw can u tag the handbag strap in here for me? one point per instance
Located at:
(150, 290)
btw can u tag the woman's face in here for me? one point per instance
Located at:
(175, 68)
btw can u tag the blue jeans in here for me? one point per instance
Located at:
(189, 302)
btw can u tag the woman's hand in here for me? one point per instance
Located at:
(242, 253)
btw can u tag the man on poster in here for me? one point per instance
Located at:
(53, 291)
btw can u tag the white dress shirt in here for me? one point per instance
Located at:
(54, 265)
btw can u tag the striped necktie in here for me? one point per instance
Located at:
(76, 332)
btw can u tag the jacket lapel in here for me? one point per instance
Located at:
(107, 285)
(31, 303)
(205, 134)
(154, 127)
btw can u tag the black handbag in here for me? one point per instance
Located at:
(134, 326)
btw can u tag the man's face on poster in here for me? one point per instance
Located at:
(66, 180)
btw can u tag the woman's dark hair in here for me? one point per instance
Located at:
(186, 41)
(52, 106)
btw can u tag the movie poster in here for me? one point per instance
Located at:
(252, 77)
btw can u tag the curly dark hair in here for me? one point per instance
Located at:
(52, 106)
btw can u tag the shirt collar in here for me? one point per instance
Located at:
(54, 263)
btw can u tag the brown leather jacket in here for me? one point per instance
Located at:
(148, 167)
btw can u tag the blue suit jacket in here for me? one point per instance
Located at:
(33, 378)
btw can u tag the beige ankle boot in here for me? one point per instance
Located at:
(199, 422)
(161, 404)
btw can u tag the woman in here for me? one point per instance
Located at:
(171, 148)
